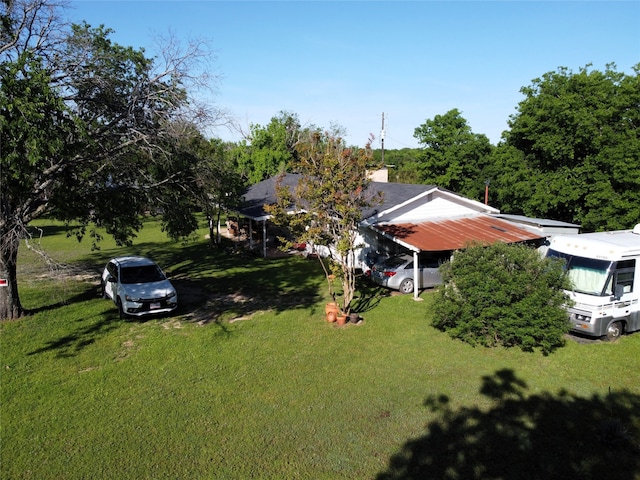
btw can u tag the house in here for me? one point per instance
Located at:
(412, 218)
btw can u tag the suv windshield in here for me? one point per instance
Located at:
(587, 275)
(141, 274)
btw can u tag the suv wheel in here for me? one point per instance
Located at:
(121, 311)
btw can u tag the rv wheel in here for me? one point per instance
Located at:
(614, 330)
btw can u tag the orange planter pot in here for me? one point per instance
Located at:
(331, 306)
(341, 319)
(331, 312)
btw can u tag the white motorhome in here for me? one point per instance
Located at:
(604, 269)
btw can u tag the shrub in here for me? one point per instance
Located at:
(503, 295)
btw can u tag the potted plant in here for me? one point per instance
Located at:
(331, 309)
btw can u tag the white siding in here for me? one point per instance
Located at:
(428, 208)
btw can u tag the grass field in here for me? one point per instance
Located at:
(247, 380)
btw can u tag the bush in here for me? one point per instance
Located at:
(503, 295)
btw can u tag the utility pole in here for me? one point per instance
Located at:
(486, 191)
(382, 138)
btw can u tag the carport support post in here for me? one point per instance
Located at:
(416, 271)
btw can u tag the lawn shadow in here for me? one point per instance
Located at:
(543, 436)
(70, 345)
(89, 293)
(49, 230)
(368, 295)
(219, 283)
(216, 282)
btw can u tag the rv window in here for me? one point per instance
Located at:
(588, 275)
(625, 272)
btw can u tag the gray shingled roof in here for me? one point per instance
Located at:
(393, 194)
(263, 193)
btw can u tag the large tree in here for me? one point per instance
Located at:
(403, 164)
(325, 207)
(271, 148)
(512, 181)
(580, 134)
(219, 185)
(453, 157)
(88, 131)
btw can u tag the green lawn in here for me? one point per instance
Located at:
(249, 381)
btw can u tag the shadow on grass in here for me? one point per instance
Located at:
(214, 285)
(88, 293)
(49, 230)
(545, 436)
(368, 295)
(220, 282)
(70, 345)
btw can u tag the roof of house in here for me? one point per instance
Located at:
(394, 194)
(453, 234)
(264, 192)
(437, 234)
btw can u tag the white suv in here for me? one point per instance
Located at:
(138, 287)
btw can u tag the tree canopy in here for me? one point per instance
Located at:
(579, 138)
(92, 132)
(271, 148)
(453, 157)
(572, 152)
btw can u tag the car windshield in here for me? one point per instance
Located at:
(587, 275)
(141, 274)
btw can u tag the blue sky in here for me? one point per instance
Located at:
(347, 62)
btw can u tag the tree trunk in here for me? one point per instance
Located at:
(348, 286)
(10, 306)
(218, 216)
(212, 239)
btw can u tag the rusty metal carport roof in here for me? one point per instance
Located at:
(453, 234)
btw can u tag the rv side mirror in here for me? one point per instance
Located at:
(619, 292)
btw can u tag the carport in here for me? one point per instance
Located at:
(449, 234)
